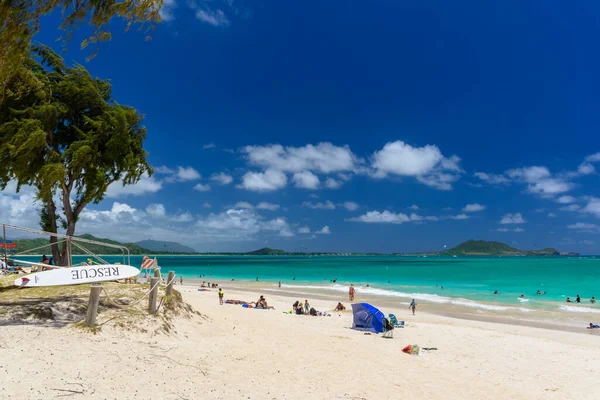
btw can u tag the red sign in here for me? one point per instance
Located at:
(8, 246)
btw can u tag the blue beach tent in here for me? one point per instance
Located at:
(367, 318)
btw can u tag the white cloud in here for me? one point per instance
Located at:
(214, 18)
(244, 204)
(263, 205)
(518, 230)
(331, 183)
(350, 206)
(385, 217)
(163, 169)
(457, 217)
(327, 205)
(304, 229)
(540, 181)
(593, 205)
(269, 180)
(222, 178)
(475, 207)
(492, 179)
(510, 230)
(242, 224)
(414, 207)
(593, 157)
(206, 205)
(184, 217)
(502, 230)
(572, 207)
(324, 231)
(426, 164)
(323, 158)
(201, 187)
(184, 174)
(551, 215)
(566, 199)
(209, 146)
(586, 169)
(306, 180)
(583, 226)
(157, 210)
(145, 185)
(515, 218)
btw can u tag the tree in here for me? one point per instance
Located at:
(69, 139)
(20, 20)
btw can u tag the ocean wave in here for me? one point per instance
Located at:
(576, 309)
(523, 300)
(432, 298)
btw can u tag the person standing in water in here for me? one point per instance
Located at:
(220, 296)
(412, 305)
(577, 299)
(351, 292)
(280, 284)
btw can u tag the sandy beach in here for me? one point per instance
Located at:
(232, 352)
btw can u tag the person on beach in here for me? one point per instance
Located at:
(351, 292)
(593, 300)
(339, 307)
(593, 326)
(257, 279)
(279, 285)
(412, 305)
(295, 305)
(522, 296)
(568, 300)
(181, 280)
(306, 307)
(221, 297)
(577, 299)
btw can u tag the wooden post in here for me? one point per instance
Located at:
(153, 295)
(92, 310)
(5, 245)
(170, 281)
(157, 273)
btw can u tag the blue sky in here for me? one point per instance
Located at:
(345, 126)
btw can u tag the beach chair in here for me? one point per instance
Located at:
(395, 322)
(388, 329)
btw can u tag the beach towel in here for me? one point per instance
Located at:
(412, 349)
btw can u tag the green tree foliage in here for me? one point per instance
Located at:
(20, 20)
(69, 139)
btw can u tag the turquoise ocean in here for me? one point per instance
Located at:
(468, 282)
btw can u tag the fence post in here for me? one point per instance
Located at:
(153, 295)
(92, 310)
(171, 281)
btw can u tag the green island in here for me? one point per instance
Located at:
(469, 248)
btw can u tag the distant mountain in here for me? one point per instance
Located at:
(26, 244)
(266, 251)
(165, 247)
(485, 248)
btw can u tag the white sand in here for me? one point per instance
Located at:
(258, 354)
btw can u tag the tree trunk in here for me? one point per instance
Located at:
(50, 226)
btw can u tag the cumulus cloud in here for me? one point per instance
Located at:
(222, 178)
(385, 217)
(201, 187)
(157, 210)
(331, 183)
(571, 207)
(324, 231)
(167, 10)
(209, 146)
(323, 158)
(492, 179)
(183, 217)
(510, 230)
(551, 215)
(540, 181)
(327, 205)
(206, 205)
(267, 181)
(350, 205)
(306, 180)
(414, 207)
(426, 164)
(593, 205)
(515, 218)
(593, 157)
(145, 185)
(244, 204)
(457, 217)
(475, 207)
(583, 226)
(566, 199)
(304, 230)
(184, 174)
(163, 169)
(267, 206)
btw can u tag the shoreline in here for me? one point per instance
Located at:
(548, 321)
